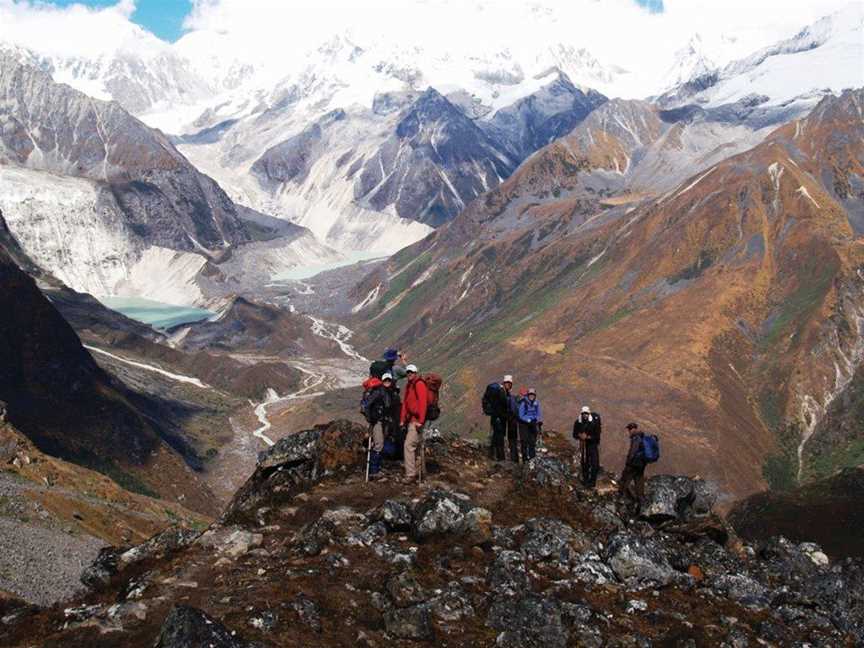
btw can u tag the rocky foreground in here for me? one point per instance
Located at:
(479, 555)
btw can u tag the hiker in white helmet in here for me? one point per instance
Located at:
(499, 405)
(586, 430)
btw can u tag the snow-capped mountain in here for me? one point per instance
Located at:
(370, 142)
(109, 205)
(691, 63)
(794, 73)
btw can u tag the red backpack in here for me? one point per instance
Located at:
(433, 386)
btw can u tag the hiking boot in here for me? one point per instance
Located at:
(376, 476)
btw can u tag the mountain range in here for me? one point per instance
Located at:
(690, 260)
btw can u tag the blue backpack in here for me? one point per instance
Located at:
(650, 448)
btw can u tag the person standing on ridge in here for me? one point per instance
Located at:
(413, 415)
(498, 406)
(530, 423)
(587, 429)
(633, 476)
(388, 364)
(380, 411)
(512, 419)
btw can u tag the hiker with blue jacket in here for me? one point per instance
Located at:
(632, 484)
(530, 423)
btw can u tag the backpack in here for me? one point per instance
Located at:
(369, 385)
(379, 368)
(650, 448)
(490, 396)
(433, 384)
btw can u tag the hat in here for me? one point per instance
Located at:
(390, 355)
(586, 409)
(411, 369)
(531, 390)
(523, 391)
(632, 426)
(387, 376)
(508, 378)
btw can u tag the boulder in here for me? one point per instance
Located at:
(315, 536)
(675, 497)
(638, 562)
(410, 623)
(741, 589)
(591, 570)
(159, 546)
(230, 541)
(452, 605)
(188, 627)
(295, 463)
(308, 612)
(547, 471)
(395, 514)
(528, 621)
(406, 591)
(508, 573)
(444, 512)
(551, 539)
(100, 572)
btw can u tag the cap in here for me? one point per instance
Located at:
(387, 376)
(531, 390)
(390, 355)
(411, 368)
(632, 426)
(586, 409)
(508, 378)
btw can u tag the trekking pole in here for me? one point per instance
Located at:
(369, 453)
(422, 458)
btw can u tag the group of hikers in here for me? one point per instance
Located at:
(397, 421)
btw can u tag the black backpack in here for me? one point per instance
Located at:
(379, 368)
(490, 398)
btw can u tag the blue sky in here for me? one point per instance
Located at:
(164, 18)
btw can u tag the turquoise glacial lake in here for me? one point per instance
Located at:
(157, 314)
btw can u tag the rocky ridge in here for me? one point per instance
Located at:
(307, 554)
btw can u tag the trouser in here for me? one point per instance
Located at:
(528, 436)
(395, 428)
(499, 433)
(590, 464)
(513, 439)
(633, 484)
(414, 455)
(377, 430)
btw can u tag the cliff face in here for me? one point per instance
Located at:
(70, 408)
(478, 555)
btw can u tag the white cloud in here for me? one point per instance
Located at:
(277, 34)
(617, 32)
(74, 30)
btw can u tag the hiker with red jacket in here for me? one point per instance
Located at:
(414, 406)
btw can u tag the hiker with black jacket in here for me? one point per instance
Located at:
(379, 412)
(392, 362)
(530, 423)
(587, 430)
(632, 484)
(499, 405)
